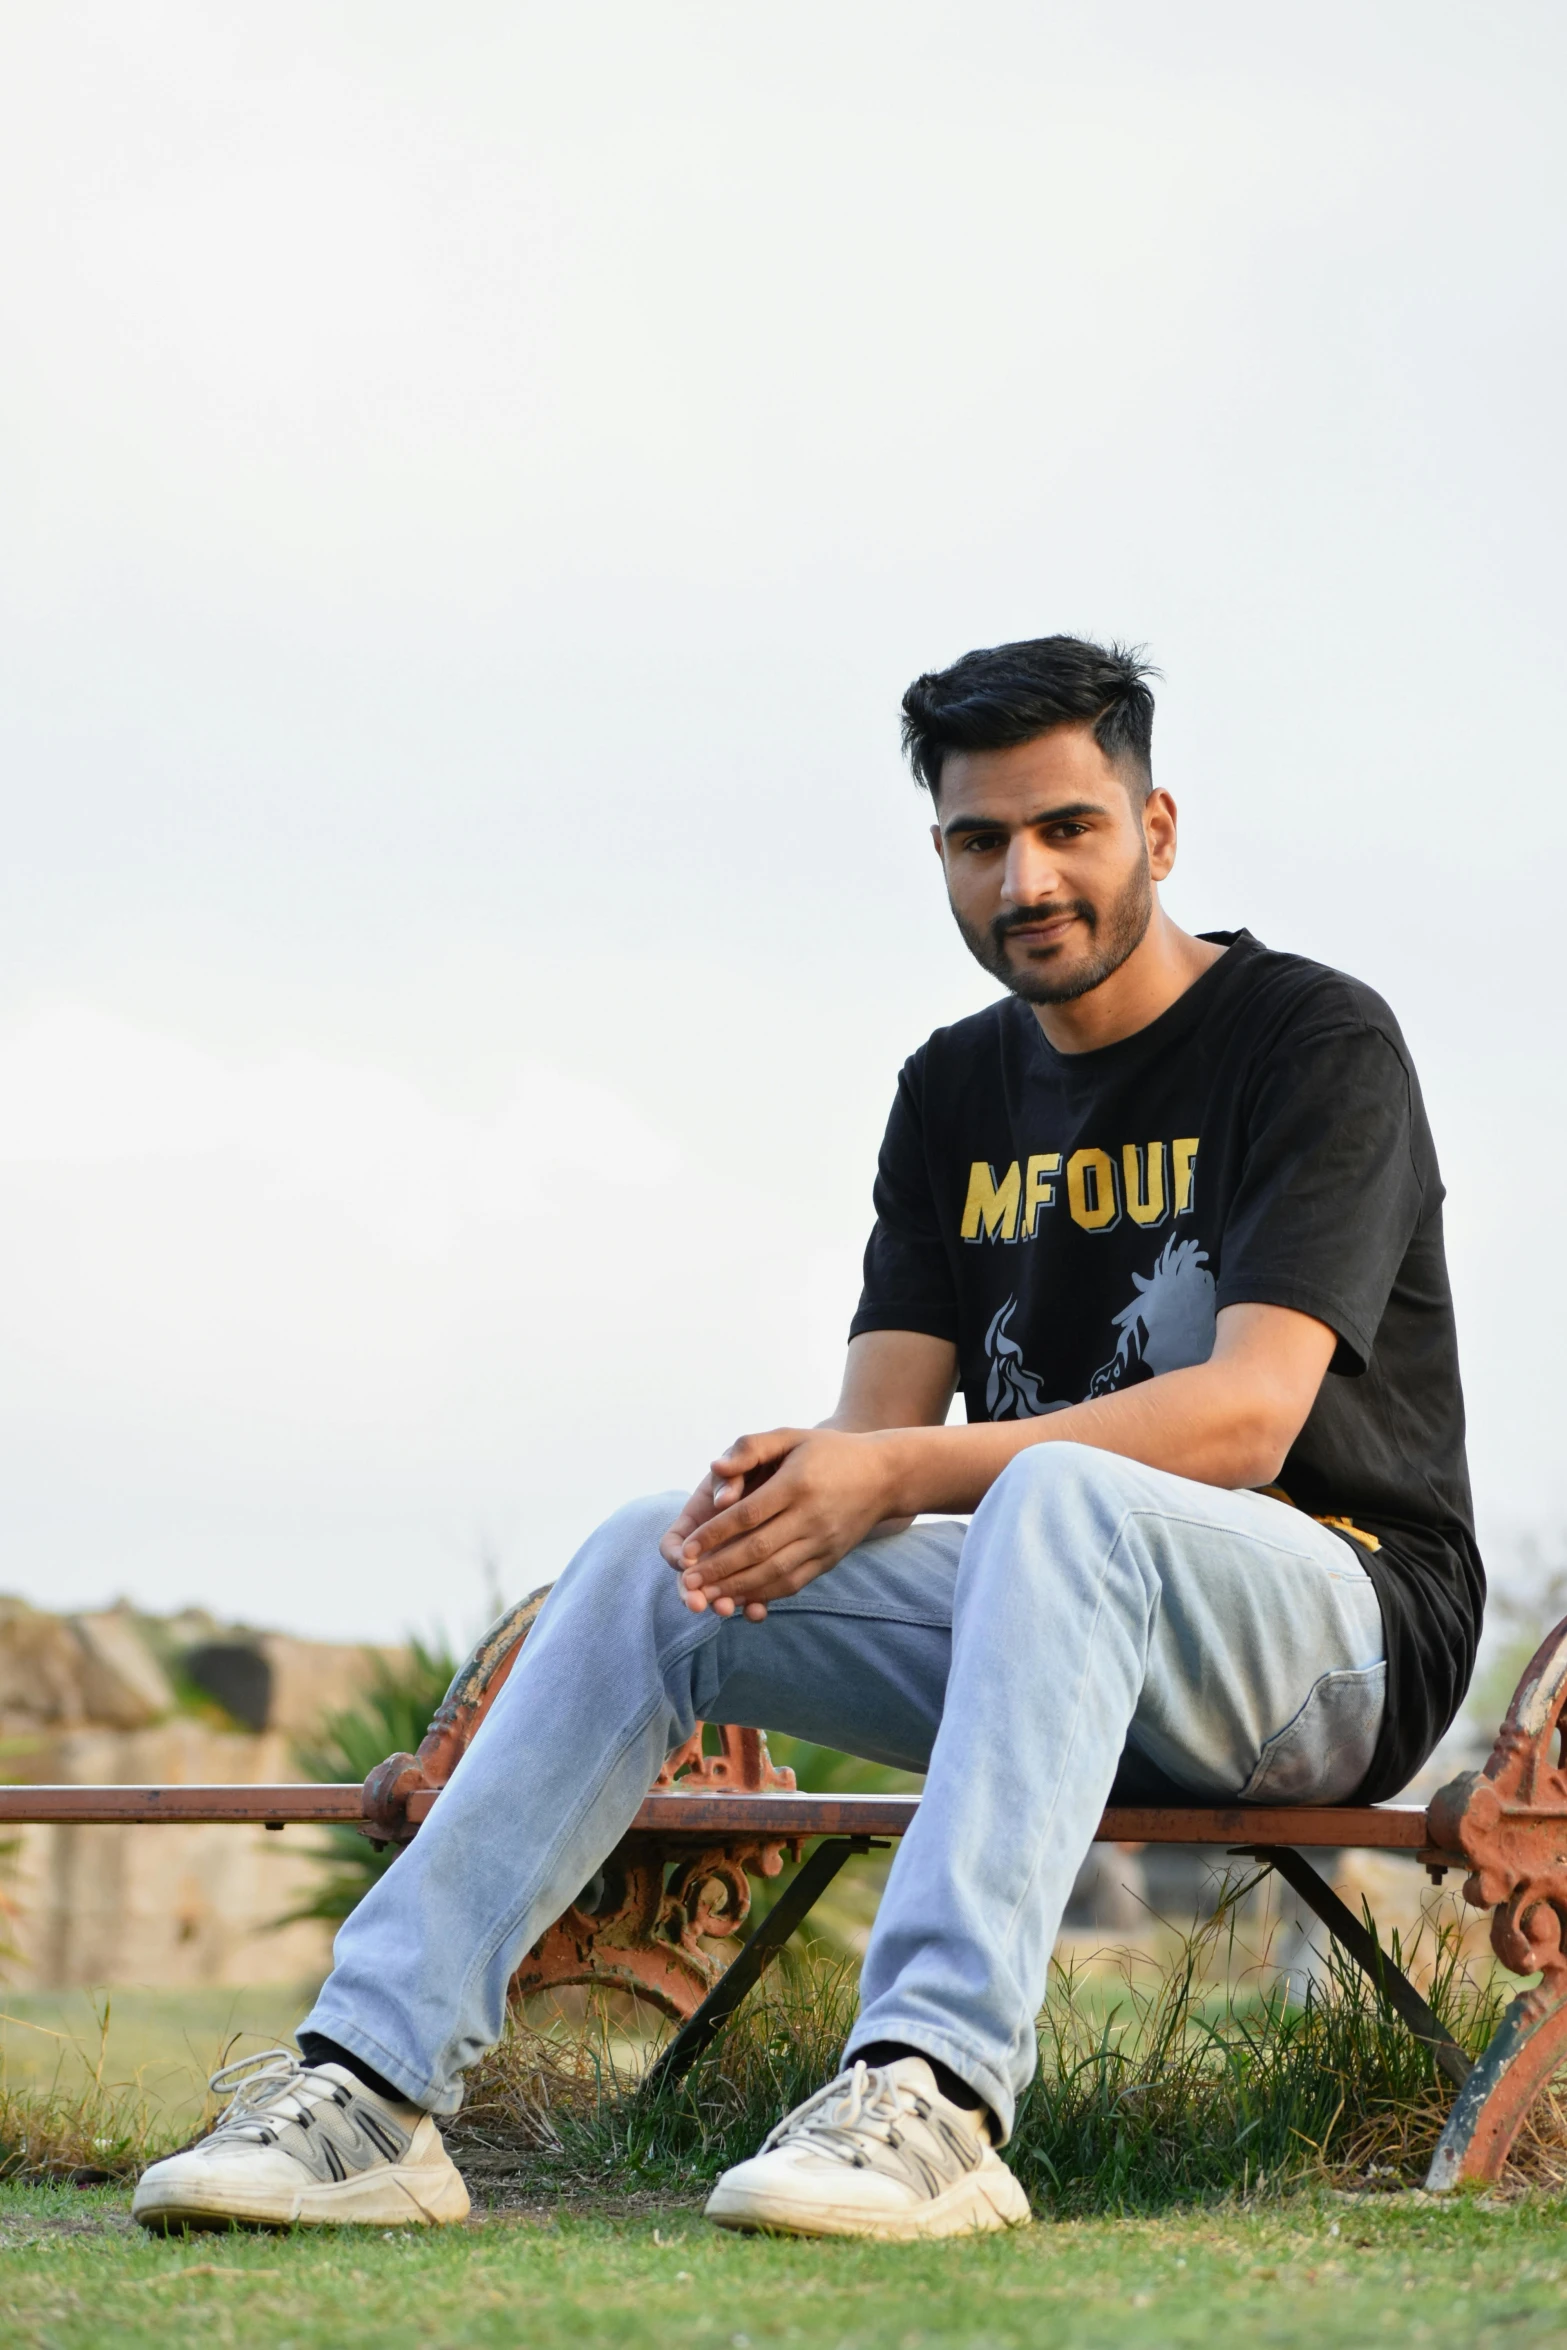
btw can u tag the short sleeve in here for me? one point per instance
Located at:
(908, 1275)
(1330, 1193)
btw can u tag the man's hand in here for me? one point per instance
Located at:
(710, 1496)
(778, 1511)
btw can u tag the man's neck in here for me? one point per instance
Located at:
(1158, 971)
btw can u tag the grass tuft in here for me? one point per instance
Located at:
(565, 2106)
(75, 2134)
(1165, 2083)
(1162, 2084)
(1203, 2077)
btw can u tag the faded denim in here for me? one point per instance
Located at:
(1224, 1639)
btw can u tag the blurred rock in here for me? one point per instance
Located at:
(41, 1670)
(95, 1699)
(160, 1904)
(122, 1683)
(313, 1679)
(237, 1675)
(1108, 1896)
(269, 1681)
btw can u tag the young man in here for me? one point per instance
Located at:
(1169, 1214)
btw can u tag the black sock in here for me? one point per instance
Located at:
(316, 2048)
(957, 2091)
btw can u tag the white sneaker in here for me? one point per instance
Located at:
(304, 2142)
(880, 2154)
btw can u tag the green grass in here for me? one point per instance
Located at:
(95, 2085)
(1161, 2082)
(1209, 2165)
(75, 2274)
(160, 2043)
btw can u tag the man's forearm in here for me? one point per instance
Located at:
(789, 1503)
(1209, 1423)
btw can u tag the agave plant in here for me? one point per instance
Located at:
(391, 1718)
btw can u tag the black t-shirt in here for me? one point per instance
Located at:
(1075, 1222)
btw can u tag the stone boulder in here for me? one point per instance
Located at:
(164, 1903)
(314, 1679)
(42, 1664)
(123, 1685)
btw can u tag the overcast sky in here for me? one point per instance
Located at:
(474, 484)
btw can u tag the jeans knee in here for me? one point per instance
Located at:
(1054, 1507)
(621, 1557)
(641, 1524)
(1060, 1471)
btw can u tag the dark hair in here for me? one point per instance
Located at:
(1010, 693)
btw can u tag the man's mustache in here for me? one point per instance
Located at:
(1023, 917)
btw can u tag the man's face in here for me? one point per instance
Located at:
(1050, 861)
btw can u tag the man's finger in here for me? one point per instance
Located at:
(696, 1512)
(715, 1570)
(741, 1517)
(776, 1577)
(748, 1454)
(752, 1554)
(755, 1610)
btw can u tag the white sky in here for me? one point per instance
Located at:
(474, 484)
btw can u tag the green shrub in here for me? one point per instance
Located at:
(391, 1718)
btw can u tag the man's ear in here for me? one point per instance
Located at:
(1159, 831)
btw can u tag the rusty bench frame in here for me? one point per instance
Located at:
(678, 1882)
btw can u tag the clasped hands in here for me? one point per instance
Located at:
(777, 1511)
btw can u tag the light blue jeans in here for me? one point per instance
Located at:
(1091, 1605)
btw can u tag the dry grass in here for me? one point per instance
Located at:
(79, 2134)
(1161, 2083)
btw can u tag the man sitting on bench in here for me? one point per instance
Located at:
(1169, 1214)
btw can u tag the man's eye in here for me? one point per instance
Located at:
(1065, 831)
(984, 843)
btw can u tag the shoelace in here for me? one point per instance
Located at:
(260, 2090)
(857, 2104)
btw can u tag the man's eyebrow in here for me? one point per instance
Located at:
(1062, 815)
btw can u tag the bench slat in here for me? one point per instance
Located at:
(106, 1806)
(1387, 1827)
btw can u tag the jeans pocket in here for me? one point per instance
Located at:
(1325, 1752)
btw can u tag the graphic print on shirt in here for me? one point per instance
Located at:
(1018, 1188)
(1170, 1323)
(1011, 1393)
(1168, 1326)
(1145, 1181)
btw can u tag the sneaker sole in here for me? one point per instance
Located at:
(975, 2205)
(402, 2195)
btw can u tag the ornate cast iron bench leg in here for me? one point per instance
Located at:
(1508, 1822)
(757, 1954)
(646, 1921)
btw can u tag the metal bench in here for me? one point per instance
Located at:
(679, 1881)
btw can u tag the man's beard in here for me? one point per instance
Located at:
(1113, 933)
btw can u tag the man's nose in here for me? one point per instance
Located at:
(1030, 875)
